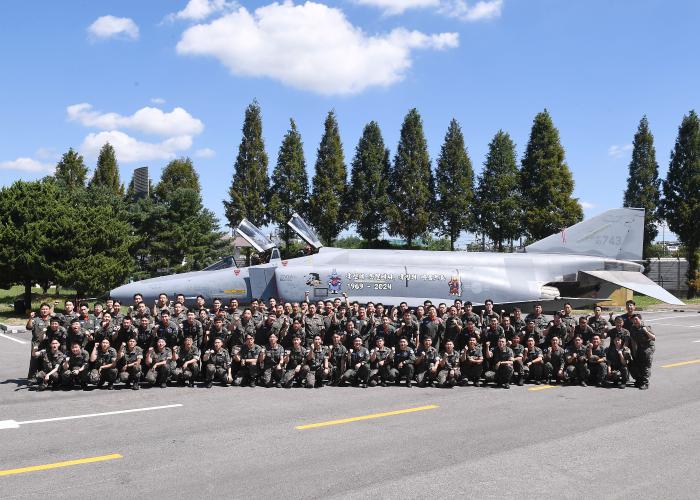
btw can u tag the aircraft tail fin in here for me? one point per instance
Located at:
(616, 234)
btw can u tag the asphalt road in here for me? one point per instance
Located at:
(569, 442)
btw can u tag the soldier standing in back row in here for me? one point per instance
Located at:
(643, 347)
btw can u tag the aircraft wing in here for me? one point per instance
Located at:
(637, 282)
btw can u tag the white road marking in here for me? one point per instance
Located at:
(684, 316)
(696, 341)
(12, 424)
(676, 325)
(12, 339)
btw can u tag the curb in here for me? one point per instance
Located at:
(8, 329)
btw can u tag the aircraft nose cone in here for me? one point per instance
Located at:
(124, 293)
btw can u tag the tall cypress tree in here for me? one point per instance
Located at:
(455, 185)
(643, 184)
(681, 205)
(289, 192)
(546, 182)
(329, 184)
(368, 195)
(71, 170)
(107, 171)
(249, 191)
(411, 184)
(499, 207)
(178, 174)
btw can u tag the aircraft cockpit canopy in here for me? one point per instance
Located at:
(224, 263)
(304, 231)
(254, 236)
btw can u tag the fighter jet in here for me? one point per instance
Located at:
(582, 265)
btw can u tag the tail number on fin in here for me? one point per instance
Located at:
(608, 240)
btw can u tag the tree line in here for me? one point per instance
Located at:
(405, 197)
(93, 236)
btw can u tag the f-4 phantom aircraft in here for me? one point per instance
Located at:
(582, 265)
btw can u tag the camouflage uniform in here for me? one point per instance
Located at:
(217, 367)
(190, 373)
(470, 368)
(504, 372)
(131, 374)
(109, 375)
(427, 357)
(296, 358)
(49, 361)
(360, 374)
(449, 373)
(161, 374)
(379, 374)
(315, 375)
(78, 369)
(247, 374)
(408, 358)
(642, 355)
(618, 362)
(271, 372)
(554, 361)
(577, 364)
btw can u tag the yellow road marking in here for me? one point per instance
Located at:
(56, 465)
(365, 417)
(541, 387)
(683, 363)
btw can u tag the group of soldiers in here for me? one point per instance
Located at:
(335, 342)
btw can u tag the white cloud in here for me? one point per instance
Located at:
(619, 151)
(205, 153)
(587, 205)
(129, 149)
(148, 120)
(309, 46)
(47, 154)
(114, 27)
(199, 10)
(394, 7)
(158, 101)
(25, 164)
(464, 10)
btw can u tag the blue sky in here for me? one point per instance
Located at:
(74, 78)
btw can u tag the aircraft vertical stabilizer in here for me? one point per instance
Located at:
(616, 234)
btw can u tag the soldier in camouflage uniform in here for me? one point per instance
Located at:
(272, 362)
(533, 362)
(145, 338)
(55, 331)
(358, 365)
(337, 359)
(597, 361)
(502, 369)
(557, 328)
(567, 318)
(317, 361)
(555, 362)
(245, 326)
(192, 328)
(217, 364)
(38, 326)
(313, 325)
(628, 317)
(294, 366)
(643, 348)
(75, 367)
(186, 362)
(403, 364)
(433, 327)
(577, 363)
(518, 364)
(51, 362)
(453, 325)
(469, 314)
(69, 313)
(129, 364)
(471, 363)
(449, 366)
(539, 318)
(426, 364)
(248, 358)
(167, 330)
(584, 331)
(158, 361)
(598, 322)
(620, 331)
(517, 320)
(379, 363)
(125, 332)
(104, 365)
(618, 358)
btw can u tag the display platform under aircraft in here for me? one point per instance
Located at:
(582, 265)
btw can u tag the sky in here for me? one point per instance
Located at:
(165, 79)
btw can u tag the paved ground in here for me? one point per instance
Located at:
(567, 442)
